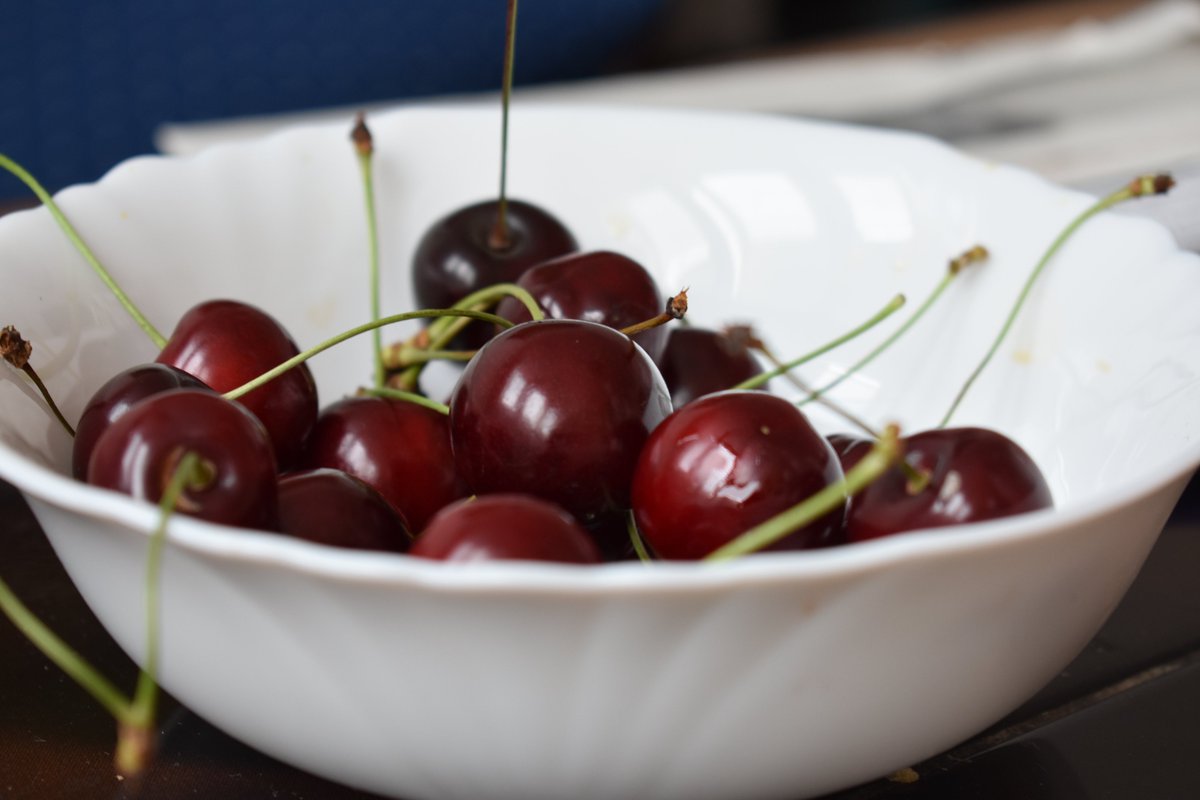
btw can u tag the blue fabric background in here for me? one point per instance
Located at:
(84, 83)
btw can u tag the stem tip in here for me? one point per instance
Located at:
(14, 348)
(677, 306)
(361, 136)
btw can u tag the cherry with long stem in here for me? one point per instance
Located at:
(1142, 186)
(488, 242)
(72, 234)
(972, 474)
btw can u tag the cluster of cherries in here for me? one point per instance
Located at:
(569, 438)
(556, 429)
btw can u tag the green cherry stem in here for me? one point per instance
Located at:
(1141, 186)
(63, 656)
(885, 452)
(135, 717)
(410, 397)
(364, 148)
(892, 307)
(85, 251)
(410, 355)
(135, 736)
(746, 337)
(296, 360)
(500, 238)
(441, 331)
(635, 536)
(974, 255)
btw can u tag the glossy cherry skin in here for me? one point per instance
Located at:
(558, 409)
(141, 449)
(399, 448)
(225, 343)
(505, 526)
(327, 506)
(599, 286)
(699, 361)
(975, 474)
(724, 463)
(454, 259)
(116, 397)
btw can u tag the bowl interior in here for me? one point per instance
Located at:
(801, 229)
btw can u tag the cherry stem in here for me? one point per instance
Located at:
(63, 656)
(135, 717)
(296, 360)
(85, 251)
(676, 309)
(135, 735)
(441, 331)
(409, 397)
(974, 255)
(746, 336)
(886, 451)
(364, 148)
(409, 355)
(892, 306)
(635, 536)
(1141, 186)
(501, 238)
(16, 351)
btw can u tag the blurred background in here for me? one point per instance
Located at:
(1080, 90)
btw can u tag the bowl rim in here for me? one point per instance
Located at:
(278, 551)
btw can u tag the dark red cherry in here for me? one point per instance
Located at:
(116, 397)
(399, 448)
(975, 474)
(599, 286)
(699, 361)
(454, 258)
(724, 463)
(505, 526)
(225, 343)
(327, 506)
(558, 409)
(141, 449)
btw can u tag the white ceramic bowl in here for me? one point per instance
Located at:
(778, 676)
